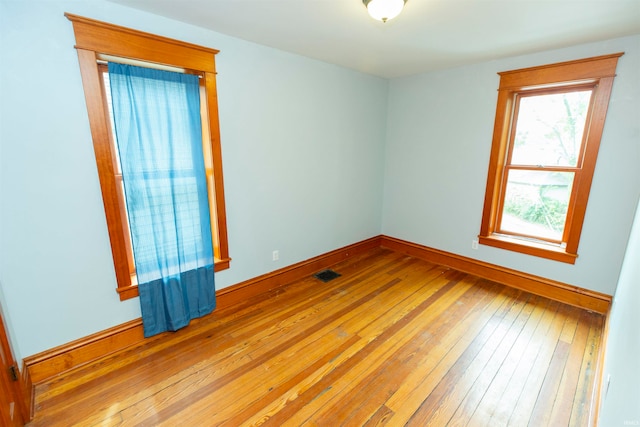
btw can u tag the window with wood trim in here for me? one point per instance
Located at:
(549, 121)
(97, 42)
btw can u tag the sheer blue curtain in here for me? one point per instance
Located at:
(159, 137)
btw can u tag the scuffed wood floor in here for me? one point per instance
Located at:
(394, 340)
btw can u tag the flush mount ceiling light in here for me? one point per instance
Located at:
(383, 10)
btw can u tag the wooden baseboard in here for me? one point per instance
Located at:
(568, 294)
(266, 282)
(43, 366)
(47, 364)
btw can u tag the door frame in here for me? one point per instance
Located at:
(13, 386)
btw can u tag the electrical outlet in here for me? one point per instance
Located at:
(275, 255)
(474, 244)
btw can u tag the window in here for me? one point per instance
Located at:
(549, 121)
(97, 42)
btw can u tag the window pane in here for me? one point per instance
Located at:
(549, 129)
(536, 203)
(176, 198)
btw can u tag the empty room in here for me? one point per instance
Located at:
(320, 212)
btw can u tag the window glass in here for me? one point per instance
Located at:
(549, 129)
(536, 203)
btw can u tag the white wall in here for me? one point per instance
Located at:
(621, 399)
(303, 146)
(437, 154)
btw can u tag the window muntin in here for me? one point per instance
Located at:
(549, 121)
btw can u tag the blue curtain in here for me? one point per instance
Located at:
(159, 137)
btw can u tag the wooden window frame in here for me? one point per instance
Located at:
(597, 73)
(96, 39)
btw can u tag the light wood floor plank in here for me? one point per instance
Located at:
(412, 392)
(494, 404)
(563, 404)
(444, 409)
(379, 384)
(500, 342)
(394, 341)
(521, 360)
(409, 399)
(531, 387)
(585, 388)
(342, 381)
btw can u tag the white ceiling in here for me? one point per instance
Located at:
(428, 34)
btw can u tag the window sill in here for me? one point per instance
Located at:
(541, 250)
(221, 264)
(128, 292)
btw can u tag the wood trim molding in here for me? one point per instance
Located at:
(47, 364)
(558, 291)
(43, 366)
(94, 40)
(12, 385)
(577, 70)
(266, 282)
(594, 75)
(28, 390)
(115, 40)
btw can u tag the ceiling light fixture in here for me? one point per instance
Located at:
(383, 10)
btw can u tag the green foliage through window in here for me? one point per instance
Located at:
(537, 207)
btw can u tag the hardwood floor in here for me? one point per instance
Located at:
(394, 340)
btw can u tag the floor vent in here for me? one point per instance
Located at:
(326, 275)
